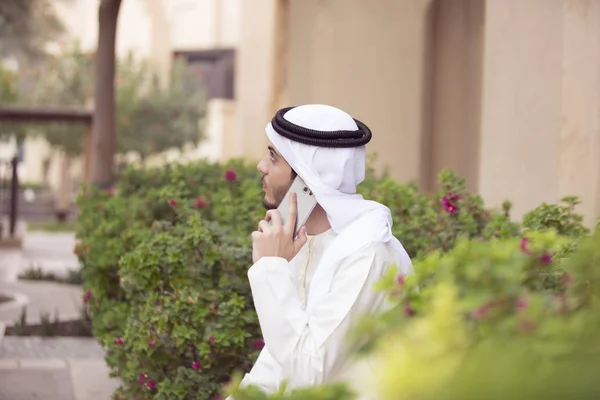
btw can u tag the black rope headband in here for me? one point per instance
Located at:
(341, 138)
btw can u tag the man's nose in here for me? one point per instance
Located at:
(261, 167)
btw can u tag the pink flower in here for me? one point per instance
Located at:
(218, 397)
(196, 365)
(524, 242)
(172, 203)
(100, 207)
(479, 313)
(567, 279)
(409, 311)
(449, 202)
(211, 340)
(526, 325)
(522, 304)
(230, 175)
(400, 279)
(87, 297)
(200, 202)
(151, 343)
(561, 302)
(258, 345)
(482, 311)
(119, 341)
(143, 377)
(546, 258)
(151, 384)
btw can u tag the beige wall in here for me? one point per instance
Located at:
(541, 103)
(367, 58)
(503, 91)
(579, 137)
(454, 105)
(521, 113)
(255, 72)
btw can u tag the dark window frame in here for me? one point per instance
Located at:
(219, 77)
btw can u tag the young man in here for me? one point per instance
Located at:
(310, 289)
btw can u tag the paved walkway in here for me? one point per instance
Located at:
(59, 368)
(53, 252)
(54, 369)
(41, 297)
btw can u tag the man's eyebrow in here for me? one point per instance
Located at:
(273, 151)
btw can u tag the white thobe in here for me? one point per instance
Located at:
(310, 350)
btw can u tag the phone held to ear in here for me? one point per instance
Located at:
(306, 202)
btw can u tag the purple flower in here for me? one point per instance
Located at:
(151, 343)
(449, 202)
(480, 312)
(400, 279)
(88, 296)
(409, 311)
(230, 175)
(119, 341)
(211, 340)
(546, 258)
(172, 203)
(566, 279)
(524, 243)
(526, 325)
(143, 377)
(258, 345)
(151, 384)
(200, 202)
(196, 365)
(522, 304)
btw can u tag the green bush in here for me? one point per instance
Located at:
(509, 318)
(165, 255)
(426, 222)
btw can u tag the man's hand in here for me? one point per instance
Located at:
(276, 239)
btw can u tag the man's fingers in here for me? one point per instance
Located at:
(263, 226)
(274, 217)
(301, 239)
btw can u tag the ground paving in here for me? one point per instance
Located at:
(49, 368)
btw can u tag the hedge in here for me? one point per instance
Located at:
(165, 255)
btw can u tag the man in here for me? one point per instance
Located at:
(309, 290)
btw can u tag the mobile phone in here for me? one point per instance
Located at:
(305, 200)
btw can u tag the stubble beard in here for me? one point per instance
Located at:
(278, 194)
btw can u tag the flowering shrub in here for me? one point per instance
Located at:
(165, 255)
(498, 319)
(190, 322)
(424, 223)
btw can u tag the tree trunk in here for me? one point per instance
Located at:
(65, 189)
(104, 138)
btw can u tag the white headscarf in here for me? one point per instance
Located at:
(333, 174)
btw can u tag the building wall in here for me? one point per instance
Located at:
(367, 58)
(539, 134)
(503, 91)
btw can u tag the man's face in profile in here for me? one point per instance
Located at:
(277, 177)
